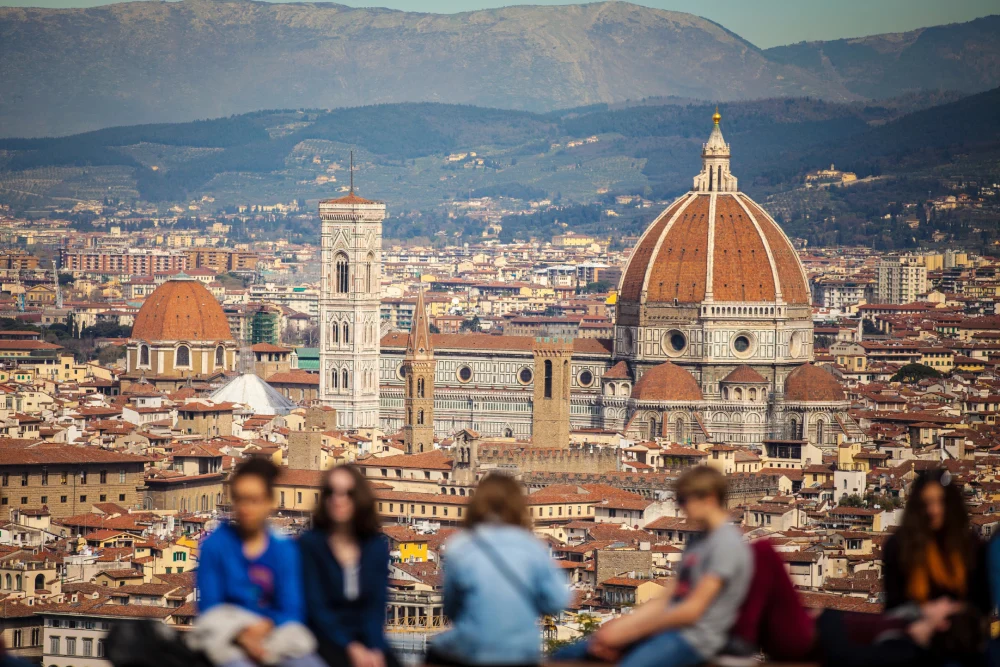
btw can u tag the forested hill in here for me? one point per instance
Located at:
(416, 155)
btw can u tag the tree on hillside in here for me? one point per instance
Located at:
(915, 373)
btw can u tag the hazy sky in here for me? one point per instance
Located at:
(763, 22)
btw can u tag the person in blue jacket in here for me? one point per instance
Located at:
(345, 563)
(498, 581)
(251, 608)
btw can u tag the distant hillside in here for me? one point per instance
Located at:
(414, 156)
(73, 70)
(961, 56)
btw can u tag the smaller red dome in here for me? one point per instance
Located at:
(811, 383)
(667, 382)
(181, 310)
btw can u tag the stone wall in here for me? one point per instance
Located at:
(610, 563)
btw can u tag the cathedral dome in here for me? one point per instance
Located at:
(667, 382)
(181, 309)
(714, 244)
(809, 383)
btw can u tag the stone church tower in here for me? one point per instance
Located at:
(551, 404)
(418, 372)
(351, 240)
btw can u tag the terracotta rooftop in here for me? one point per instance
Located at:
(744, 374)
(181, 310)
(809, 383)
(667, 382)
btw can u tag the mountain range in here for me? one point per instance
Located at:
(73, 70)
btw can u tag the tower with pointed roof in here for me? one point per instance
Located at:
(351, 239)
(418, 374)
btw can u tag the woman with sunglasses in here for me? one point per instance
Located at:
(345, 568)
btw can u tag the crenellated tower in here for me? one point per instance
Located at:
(418, 373)
(351, 240)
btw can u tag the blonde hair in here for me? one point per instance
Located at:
(498, 499)
(702, 482)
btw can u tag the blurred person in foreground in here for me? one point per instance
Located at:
(345, 561)
(498, 580)
(693, 626)
(249, 581)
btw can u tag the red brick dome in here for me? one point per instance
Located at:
(811, 383)
(667, 382)
(751, 259)
(181, 310)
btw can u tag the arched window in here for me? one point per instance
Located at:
(652, 428)
(17, 582)
(820, 431)
(220, 356)
(420, 388)
(144, 355)
(369, 272)
(611, 390)
(679, 430)
(548, 378)
(335, 379)
(347, 333)
(420, 417)
(753, 394)
(8, 581)
(39, 582)
(183, 358)
(739, 394)
(344, 383)
(204, 503)
(725, 393)
(341, 265)
(335, 333)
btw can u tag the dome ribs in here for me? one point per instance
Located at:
(741, 270)
(635, 272)
(181, 310)
(678, 271)
(793, 285)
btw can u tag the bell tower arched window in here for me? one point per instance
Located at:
(369, 272)
(342, 273)
(347, 333)
(344, 377)
(548, 378)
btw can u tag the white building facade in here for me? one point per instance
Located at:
(351, 239)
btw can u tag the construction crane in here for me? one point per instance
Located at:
(55, 285)
(20, 294)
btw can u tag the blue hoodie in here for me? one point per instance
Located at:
(493, 621)
(269, 585)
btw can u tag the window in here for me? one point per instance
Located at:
(183, 357)
(36, 636)
(220, 356)
(525, 376)
(282, 501)
(71, 646)
(464, 374)
(24, 479)
(299, 497)
(6, 479)
(420, 388)
(63, 499)
(121, 497)
(88, 647)
(44, 500)
(342, 273)
(83, 499)
(335, 379)
(45, 477)
(741, 344)
(586, 378)
(83, 477)
(343, 377)
(64, 478)
(100, 648)
(144, 355)
(24, 500)
(18, 638)
(548, 378)
(369, 261)
(121, 477)
(347, 333)
(104, 477)
(54, 645)
(180, 557)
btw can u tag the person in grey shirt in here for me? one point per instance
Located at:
(714, 575)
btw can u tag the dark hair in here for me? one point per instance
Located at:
(498, 498)
(915, 533)
(701, 482)
(263, 469)
(365, 522)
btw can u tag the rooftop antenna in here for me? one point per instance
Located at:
(55, 284)
(352, 172)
